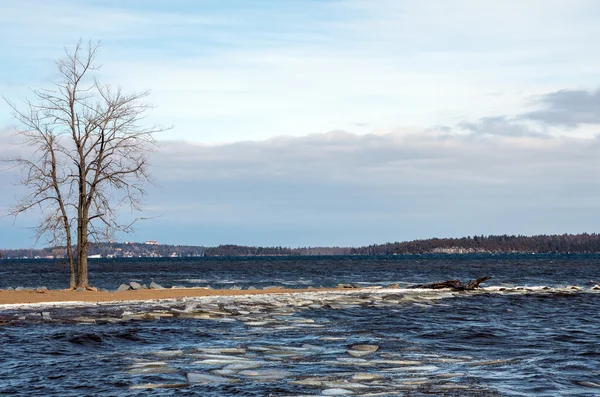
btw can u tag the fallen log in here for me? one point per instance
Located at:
(456, 285)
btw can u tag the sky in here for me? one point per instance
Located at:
(336, 122)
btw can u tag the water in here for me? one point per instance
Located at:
(512, 339)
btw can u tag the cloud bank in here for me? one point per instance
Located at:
(496, 175)
(342, 188)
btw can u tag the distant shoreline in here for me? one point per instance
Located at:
(492, 244)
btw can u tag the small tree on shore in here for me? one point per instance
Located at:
(88, 157)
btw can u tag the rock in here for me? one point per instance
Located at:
(337, 392)
(123, 287)
(10, 289)
(596, 287)
(397, 297)
(251, 288)
(168, 353)
(224, 350)
(362, 350)
(224, 372)
(85, 320)
(345, 286)
(46, 316)
(272, 287)
(358, 353)
(42, 290)
(152, 370)
(392, 286)
(80, 289)
(154, 285)
(20, 289)
(366, 376)
(236, 288)
(314, 382)
(144, 286)
(148, 364)
(588, 384)
(158, 386)
(422, 368)
(369, 348)
(266, 374)
(135, 286)
(195, 377)
(242, 365)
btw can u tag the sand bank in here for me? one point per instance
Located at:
(31, 296)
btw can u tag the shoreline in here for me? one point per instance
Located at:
(10, 298)
(24, 297)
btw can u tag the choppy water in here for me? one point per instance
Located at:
(512, 338)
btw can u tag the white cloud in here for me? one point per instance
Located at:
(226, 74)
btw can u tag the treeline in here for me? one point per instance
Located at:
(110, 250)
(240, 250)
(565, 243)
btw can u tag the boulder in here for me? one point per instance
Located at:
(200, 378)
(80, 289)
(123, 287)
(135, 286)
(154, 285)
(337, 392)
(362, 350)
(392, 297)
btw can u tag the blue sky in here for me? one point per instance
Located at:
(338, 122)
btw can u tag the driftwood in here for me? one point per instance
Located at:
(453, 284)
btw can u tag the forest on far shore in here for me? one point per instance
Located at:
(564, 243)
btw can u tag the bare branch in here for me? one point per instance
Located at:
(88, 155)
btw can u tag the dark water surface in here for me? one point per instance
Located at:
(298, 272)
(514, 342)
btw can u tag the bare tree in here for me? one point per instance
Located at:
(88, 157)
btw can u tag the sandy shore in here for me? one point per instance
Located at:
(32, 296)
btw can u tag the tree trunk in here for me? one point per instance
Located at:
(82, 254)
(72, 278)
(82, 268)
